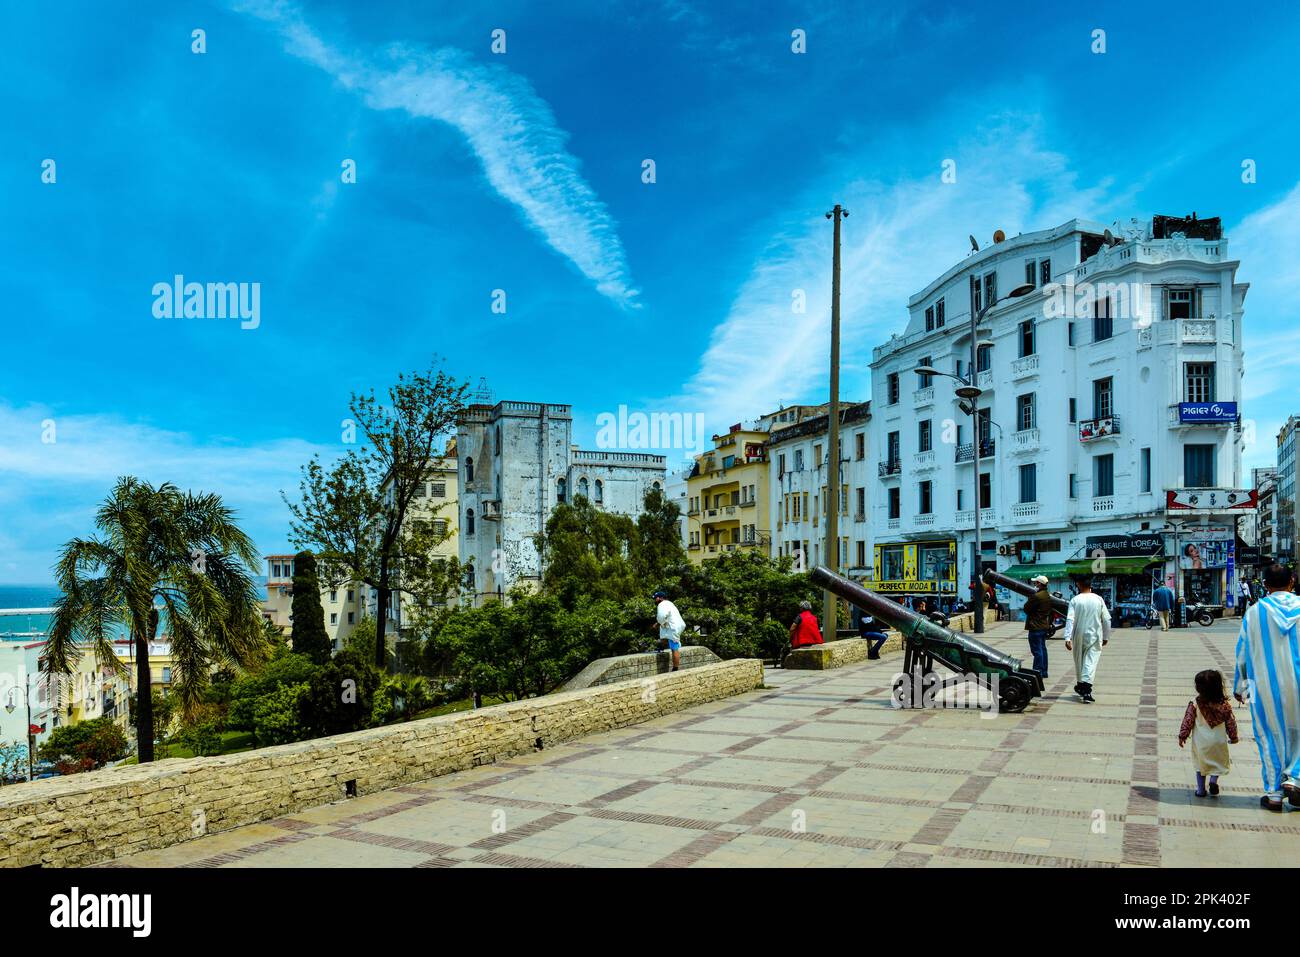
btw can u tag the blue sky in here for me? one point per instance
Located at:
(523, 172)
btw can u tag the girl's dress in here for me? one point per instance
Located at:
(1211, 727)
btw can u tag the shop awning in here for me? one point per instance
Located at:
(1026, 572)
(1132, 565)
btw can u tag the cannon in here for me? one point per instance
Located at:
(926, 644)
(1059, 605)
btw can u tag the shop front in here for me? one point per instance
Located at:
(916, 570)
(1207, 562)
(1125, 570)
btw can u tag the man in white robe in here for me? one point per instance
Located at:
(1268, 677)
(1087, 631)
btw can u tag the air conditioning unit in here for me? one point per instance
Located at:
(1006, 550)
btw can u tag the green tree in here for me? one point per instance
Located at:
(340, 696)
(657, 547)
(290, 669)
(161, 556)
(201, 730)
(275, 715)
(84, 746)
(585, 553)
(309, 635)
(352, 513)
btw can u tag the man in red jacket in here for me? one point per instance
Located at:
(804, 630)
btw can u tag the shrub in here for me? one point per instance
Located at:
(340, 696)
(84, 746)
(275, 715)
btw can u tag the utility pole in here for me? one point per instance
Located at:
(832, 553)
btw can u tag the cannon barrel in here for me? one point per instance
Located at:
(927, 642)
(1022, 588)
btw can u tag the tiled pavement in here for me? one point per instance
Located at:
(819, 770)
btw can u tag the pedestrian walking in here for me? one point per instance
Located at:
(1038, 622)
(1087, 631)
(1162, 600)
(1211, 725)
(1243, 589)
(671, 626)
(1268, 678)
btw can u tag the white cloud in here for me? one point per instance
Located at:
(511, 129)
(49, 492)
(899, 235)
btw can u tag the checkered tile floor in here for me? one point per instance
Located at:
(819, 770)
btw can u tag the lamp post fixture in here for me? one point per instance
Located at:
(971, 392)
(1176, 527)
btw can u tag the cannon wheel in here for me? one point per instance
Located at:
(1013, 695)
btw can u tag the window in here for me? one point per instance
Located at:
(1025, 411)
(780, 465)
(497, 433)
(1074, 412)
(1198, 466)
(798, 460)
(983, 359)
(600, 490)
(469, 521)
(561, 489)
(1182, 303)
(986, 490)
(440, 527)
(817, 456)
(984, 429)
(1044, 272)
(861, 497)
(938, 314)
(1027, 338)
(961, 498)
(352, 618)
(469, 469)
(891, 563)
(929, 319)
(1069, 334)
(859, 446)
(1031, 273)
(923, 436)
(862, 555)
(334, 618)
(895, 503)
(1103, 326)
(926, 502)
(438, 489)
(976, 298)
(334, 595)
(893, 454)
(990, 289)
(1103, 476)
(1102, 406)
(167, 675)
(351, 596)
(419, 490)
(1028, 483)
(1198, 382)
(893, 388)
(583, 488)
(1144, 470)
(924, 378)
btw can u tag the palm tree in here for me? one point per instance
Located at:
(161, 556)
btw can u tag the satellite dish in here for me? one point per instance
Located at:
(999, 235)
(974, 246)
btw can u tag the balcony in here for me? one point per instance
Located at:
(1024, 512)
(966, 453)
(923, 461)
(490, 509)
(1090, 430)
(750, 504)
(923, 397)
(892, 467)
(1187, 332)
(1024, 441)
(1024, 367)
(966, 518)
(694, 546)
(924, 520)
(859, 516)
(894, 523)
(692, 512)
(1103, 505)
(985, 380)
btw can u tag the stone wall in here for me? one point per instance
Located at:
(604, 671)
(86, 818)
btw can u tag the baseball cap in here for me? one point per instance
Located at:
(658, 594)
(1039, 580)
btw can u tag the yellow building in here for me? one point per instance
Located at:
(727, 500)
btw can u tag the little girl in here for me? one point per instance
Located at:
(1211, 725)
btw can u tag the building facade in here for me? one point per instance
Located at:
(1111, 379)
(799, 466)
(517, 462)
(1286, 547)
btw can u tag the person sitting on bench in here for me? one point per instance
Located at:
(867, 627)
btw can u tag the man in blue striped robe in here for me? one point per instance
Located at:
(1268, 677)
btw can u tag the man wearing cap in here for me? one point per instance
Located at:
(1038, 622)
(671, 626)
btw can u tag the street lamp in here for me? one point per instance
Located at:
(971, 392)
(1176, 527)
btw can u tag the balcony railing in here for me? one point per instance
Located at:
(924, 520)
(1103, 428)
(923, 460)
(966, 518)
(1024, 511)
(923, 396)
(985, 380)
(1026, 440)
(966, 453)
(1103, 504)
(1024, 366)
(892, 467)
(859, 516)
(894, 523)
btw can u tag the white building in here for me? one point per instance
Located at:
(517, 462)
(799, 470)
(1114, 379)
(676, 490)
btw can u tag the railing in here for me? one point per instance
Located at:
(965, 518)
(923, 396)
(894, 523)
(892, 467)
(924, 520)
(693, 512)
(966, 453)
(1024, 511)
(1198, 330)
(1105, 503)
(750, 504)
(985, 379)
(1024, 366)
(1092, 429)
(923, 460)
(859, 516)
(1154, 251)
(1026, 440)
(694, 546)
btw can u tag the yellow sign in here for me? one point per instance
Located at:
(909, 587)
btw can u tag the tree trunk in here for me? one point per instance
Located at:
(381, 624)
(143, 696)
